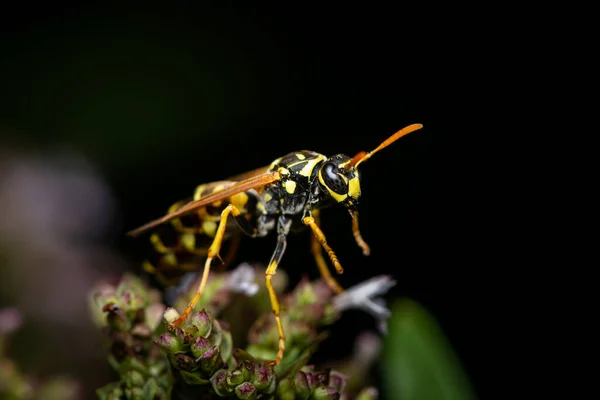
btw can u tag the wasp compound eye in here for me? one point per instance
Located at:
(333, 180)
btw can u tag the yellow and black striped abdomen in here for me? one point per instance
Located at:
(181, 245)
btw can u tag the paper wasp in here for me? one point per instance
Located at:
(281, 197)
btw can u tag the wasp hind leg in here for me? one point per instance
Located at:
(317, 251)
(213, 251)
(271, 269)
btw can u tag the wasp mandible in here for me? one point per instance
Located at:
(281, 197)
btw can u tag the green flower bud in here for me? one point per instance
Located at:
(186, 336)
(131, 301)
(211, 360)
(304, 294)
(286, 389)
(183, 362)
(112, 391)
(235, 378)
(134, 379)
(219, 383)
(202, 321)
(323, 392)
(246, 391)
(369, 393)
(200, 346)
(134, 394)
(151, 389)
(322, 377)
(263, 377)
(116, 318)
(338, 381)
(170, 343)
(302, 388)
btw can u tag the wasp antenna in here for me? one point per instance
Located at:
(363, 156)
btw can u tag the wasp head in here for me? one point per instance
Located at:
(340, 181)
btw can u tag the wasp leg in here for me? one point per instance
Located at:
(358, 237)
(271, 269)
(213, 251)
(317, 251)
(310, 221)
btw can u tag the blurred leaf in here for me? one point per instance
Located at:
(418, 361)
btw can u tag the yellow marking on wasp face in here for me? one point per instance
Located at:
(354, 188)
(310, 165)
(300, 156)
(189, 241)
(283, 171)
(199, 191)
(209, 228)
(218, 188)
(268, 197)
(290, 186)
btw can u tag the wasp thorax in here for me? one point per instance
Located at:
(341, 184)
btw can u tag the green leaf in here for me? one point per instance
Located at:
(418, 361)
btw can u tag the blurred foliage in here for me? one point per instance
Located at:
(418, 362)
(15, 384)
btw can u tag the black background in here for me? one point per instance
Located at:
(330, 80)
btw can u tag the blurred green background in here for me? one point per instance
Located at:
(150, 104)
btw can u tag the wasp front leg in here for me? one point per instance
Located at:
(310, 221)
(213, 251)
(317, 251)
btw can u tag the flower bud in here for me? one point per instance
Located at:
(286, 389)
(219, 383)
(116, 317)
(201, 320)
(302, 387)
(170, 343)
(183, 362)
(323, 392)
(338, 381)
(199, 347)
(134, 379)
(211, 360)
(131, 300)
(263, 377)
(246, 391)
(134, 393)
(242, 373)
(369, 393)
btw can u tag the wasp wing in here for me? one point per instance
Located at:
(253, 182)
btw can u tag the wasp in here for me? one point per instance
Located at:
(284, 196)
